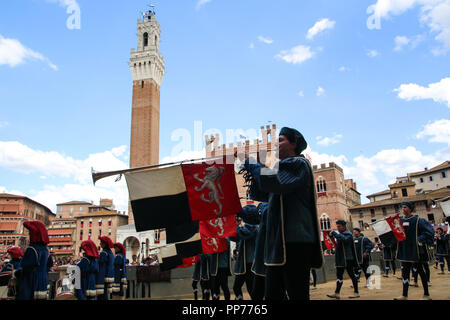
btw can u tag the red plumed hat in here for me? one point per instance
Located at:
(106, 240)
(90, 248)
(15, 252)
(121, 247)
(38, 232)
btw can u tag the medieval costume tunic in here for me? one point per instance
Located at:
(362, 245)
(345, 257)
(91, 254)
(120, 272)
(202, 275)
(413, 250)
(105, 275)
(33, 283)
(245, 238)
(220, 271)
(292, 228)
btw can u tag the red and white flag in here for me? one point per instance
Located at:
(397, 227)
(223, 227)
(211, 190)
(213, 245)
(330, 243)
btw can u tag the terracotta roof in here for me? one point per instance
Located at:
(9, 195)
(74, 202)
(8, 226)
(436, 194)
(379, 193)
(402, 184)
(443, 165)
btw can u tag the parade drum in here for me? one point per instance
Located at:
(65, 289)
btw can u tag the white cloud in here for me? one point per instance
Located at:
(439, 91)
(320, 91)
(296, 55)
(343, 69)
(403, 41)
(252, 45)
(201, 3)
(4, 124)
(301, 94)
(438, 131)
(23, 159)
(13, 53)
(372, 53)
(434, 13)
(265, 40)
(400, 42)
(320, 26)
(185, 155)
(326, 141)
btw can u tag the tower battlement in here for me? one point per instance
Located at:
(267, 142)
(331, 165)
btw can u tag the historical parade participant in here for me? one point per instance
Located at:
(119, 287)
(413, 250)
(345, 259)
(105, 275)
(91, 253)
(363, 247)
(442, 248)
(292, 242)
(33, 273)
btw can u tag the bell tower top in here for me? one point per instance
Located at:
(147, 62)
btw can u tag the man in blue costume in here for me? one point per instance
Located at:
(363, 247)
(413, 249)
(245, 239)
(105, 275)
(33, 275)
(442, 247)
(292, 239)
(120, 272)
(345, 258)
(91, 253)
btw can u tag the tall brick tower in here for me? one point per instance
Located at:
(147, 69)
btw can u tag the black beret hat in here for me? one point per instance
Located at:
(342, 222)
(294, 136)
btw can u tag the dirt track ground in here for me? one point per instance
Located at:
(389, 288)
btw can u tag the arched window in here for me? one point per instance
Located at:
(321, 185)
(145, 39)
(325, 222)
(156, 40)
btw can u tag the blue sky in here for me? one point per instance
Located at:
(374, 100)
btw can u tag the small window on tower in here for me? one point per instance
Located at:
(142, 84)
(145, 39)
